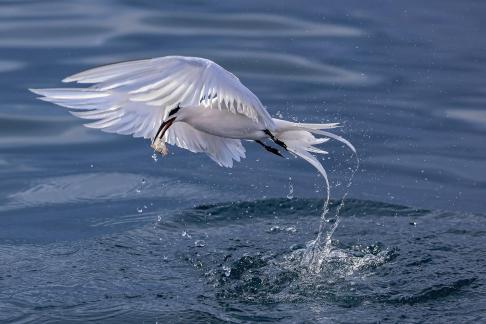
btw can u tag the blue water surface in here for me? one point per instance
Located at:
(93, 228)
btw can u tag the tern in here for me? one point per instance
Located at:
(189, 102)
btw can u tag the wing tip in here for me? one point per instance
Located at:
(39, 92)
(68, 79)
(42, 95)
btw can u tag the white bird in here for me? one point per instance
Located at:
(186, 101)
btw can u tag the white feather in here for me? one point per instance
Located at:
(222, 150)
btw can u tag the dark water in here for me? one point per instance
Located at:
(92, 228)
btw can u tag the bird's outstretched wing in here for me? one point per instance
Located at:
(136, 97)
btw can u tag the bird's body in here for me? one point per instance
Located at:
(185, 101)
(230, 125)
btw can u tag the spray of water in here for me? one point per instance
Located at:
(320, 250)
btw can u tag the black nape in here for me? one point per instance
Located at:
(175, 110)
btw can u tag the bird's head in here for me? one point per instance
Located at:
(174, 111)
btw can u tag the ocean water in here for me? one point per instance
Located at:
(93, 228)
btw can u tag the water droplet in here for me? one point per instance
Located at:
(154, 157)
(227, 270)
(199, 243)
(185, 234)
(274, 228)
(291, 229)
(290, 195)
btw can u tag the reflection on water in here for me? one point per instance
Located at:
(477, 117)
(105, 187)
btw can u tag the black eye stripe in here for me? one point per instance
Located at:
(175, 110)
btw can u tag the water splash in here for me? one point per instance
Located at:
(186, 234)
(321, 250)
(199, 243)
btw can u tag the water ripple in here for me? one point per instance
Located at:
(246, 25)
(101, 187)
(9, 66)
(472, 116)
(78, 24)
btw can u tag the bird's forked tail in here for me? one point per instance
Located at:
(300, 140)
